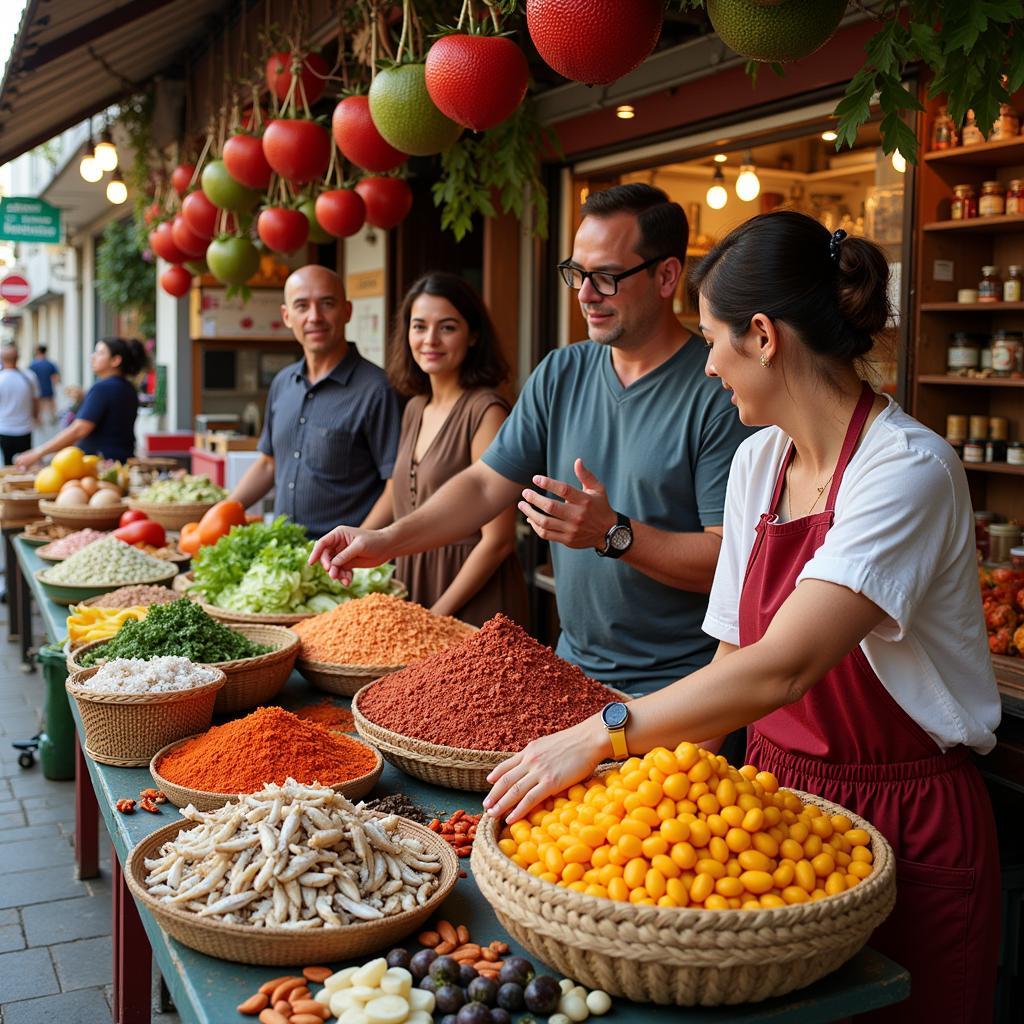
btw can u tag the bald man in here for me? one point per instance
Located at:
(332, 422)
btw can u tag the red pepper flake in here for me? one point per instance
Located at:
(125, 805)
(147, 804)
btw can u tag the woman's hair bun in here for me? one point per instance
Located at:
(863, 288)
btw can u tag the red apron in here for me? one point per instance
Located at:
(849, 741)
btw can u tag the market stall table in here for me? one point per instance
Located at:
(206, 991)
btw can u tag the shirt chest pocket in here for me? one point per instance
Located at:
(328, 451)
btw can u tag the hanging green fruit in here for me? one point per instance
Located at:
(775, 33)
(406, 116)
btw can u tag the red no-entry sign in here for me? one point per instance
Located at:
(14, 288)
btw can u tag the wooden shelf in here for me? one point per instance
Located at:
(994, 467)
(975, 382)
(980, 225)
(972, 307)
(1002, 153)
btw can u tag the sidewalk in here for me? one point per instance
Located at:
(55, 944)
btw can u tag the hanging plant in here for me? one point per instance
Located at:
(125, 279)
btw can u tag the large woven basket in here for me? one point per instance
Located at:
(250, 682)
(451, 767)
(684, 956)
(81, 517)
(282, 946)
(172, 516)
(20, 506)
(127, 729)
(181, 796)
(344, 680)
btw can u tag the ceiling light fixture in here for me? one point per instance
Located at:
(717, 196)
(748, 184)
(626, 111)
(105, 153)
(829, 136)
(720, 158)
(89, 169)
(117, 190)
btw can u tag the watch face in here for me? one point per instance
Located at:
(622, 537)
(615, 715)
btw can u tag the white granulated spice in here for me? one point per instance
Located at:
(157, 675)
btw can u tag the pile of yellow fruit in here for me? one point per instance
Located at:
(68, 464)
(684, 828)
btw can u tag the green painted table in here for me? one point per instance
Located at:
(206, 991)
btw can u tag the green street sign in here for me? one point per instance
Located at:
(24, 219)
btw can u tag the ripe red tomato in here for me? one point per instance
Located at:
(181, 177)
(144, 531)
(199, 214)
(358, 139)
(477, 81)
(298, 150)
(312, 77)
(388, 201)
(176, 281)
(244, 159)
(341, 211)
(161, 241)
(282, 230)
(191, 244)
(133, 515)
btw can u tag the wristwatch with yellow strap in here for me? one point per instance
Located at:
(615, 715)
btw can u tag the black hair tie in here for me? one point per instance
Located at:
(834, 242)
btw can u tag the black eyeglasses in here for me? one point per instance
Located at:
(604, 283)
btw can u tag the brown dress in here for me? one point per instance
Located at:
(428, 575)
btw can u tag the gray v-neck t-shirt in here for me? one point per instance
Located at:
(662, 449)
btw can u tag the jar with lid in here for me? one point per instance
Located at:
(1015, 453)
(956, 427)
(943, 130)
(974, 449)
(965, 203)
(1002, 539)
(1015, 195)
(998, 427)
(1012, 285)
(990, 288)
(962, 354)
(1006, 125)
(978, 427)
(970, 134)
(1007, 353)
(993, 199)
(995, 450)
(1017, 558)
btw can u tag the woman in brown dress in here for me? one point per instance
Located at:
(445, 355)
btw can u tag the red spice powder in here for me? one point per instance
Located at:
(495, 691)
(269, 745)
(329, 715)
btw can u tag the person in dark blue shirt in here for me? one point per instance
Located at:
(48, 375)
(105, 423)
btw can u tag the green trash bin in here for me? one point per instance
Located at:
(57, 743)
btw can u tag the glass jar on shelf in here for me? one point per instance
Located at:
(970, 134)
(1006, 125)
(1007, 353)
(965, 203)
(1002, 539)
(1012, 286)
(990, 287)
(943, 130)
(1015, 196)
(992, 202)
(962, 353)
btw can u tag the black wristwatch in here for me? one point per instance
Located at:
(619, 539)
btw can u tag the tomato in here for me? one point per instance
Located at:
(388, 201)
(133, 515)
(232, 259)
(144, 531)
(282, 230)
(161, 241)
(176, 281)
(222, 190)
(244, 159)
(199, 214)
(358, 139)
(187, 241)
(188, 539)
(317, 233)
(219, 520)
(298, 150)
(341, 211)
(312, 76)
(151, 214)
(181, 177)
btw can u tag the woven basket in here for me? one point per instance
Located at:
(684, 956)
(20, 506)
(451, 767)
(181, 796)
(61, 593)
(281, 946)
(344, 680)
(127, 729)
(250, 682)
(81, 517)
(172, 516)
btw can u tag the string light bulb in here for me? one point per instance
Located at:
(626, 111)
(748, 184)
(829, 136)
(89, 169)
(717, 196)
(105, 153)
(899, 162)
(117, 190)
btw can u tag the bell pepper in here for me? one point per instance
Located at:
(143, 531)
(219, 520)
(133, 515)
(188, 541)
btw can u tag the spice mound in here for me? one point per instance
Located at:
(378, 630)
(67, 546)
(293, 857)
(497, 690)
(104, 562)
(141, 593)
(329, 715)
(181, 627)
(157, 675)
(270, 745)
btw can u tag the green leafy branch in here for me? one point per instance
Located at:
(124, 280)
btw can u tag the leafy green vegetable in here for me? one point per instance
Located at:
(182, 490)
(264, 570)
(180, 628)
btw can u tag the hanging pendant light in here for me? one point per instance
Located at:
(899, 162)
(717, 196)
(89, 169)
(105, 153)
(117, 190)
(748, 184)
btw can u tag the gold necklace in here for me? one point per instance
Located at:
(789, 492)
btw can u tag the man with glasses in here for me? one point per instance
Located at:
(617, 452)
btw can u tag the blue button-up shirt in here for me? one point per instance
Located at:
(333, 442)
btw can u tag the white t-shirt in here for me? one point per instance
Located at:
(17, 389)
(903, 536)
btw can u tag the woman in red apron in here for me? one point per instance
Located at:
(787, 309)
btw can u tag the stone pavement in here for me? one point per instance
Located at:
(55, 944)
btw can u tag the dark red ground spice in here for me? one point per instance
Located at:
(497, 690)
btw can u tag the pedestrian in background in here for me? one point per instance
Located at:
(48, 375)
(19, 405)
